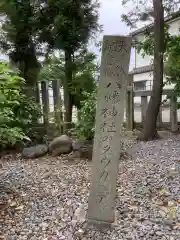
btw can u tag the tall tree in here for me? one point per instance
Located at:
(84, 67)
(17, 38)
(56, 24)
(153, 12)
(150, 130)
(171, 55)
(172, 64)
(72, 25)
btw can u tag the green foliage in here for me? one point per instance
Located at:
(172, 65)
(18, 37)
(146, 46)
(171, 56)
(67, 25)
(37, 28)
(16, 111)
(142, 11)
(84, 129)
(84, 68)
(31, 28)
(73, 24)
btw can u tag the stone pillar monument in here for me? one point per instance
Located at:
(109, 119)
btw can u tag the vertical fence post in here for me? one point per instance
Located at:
(173, 113)
(144, 104)
(159, 117)
(45, 102)
(37, 93)
(130, 105)
(57, 105)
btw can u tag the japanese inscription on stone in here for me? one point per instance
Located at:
(109, 118)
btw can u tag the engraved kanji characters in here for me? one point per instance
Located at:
(103, 192)
(113, 96)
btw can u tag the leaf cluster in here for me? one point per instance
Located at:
(16, 110)
(84, 69)
(84, 128)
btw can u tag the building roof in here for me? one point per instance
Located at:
(150, 26)
(143, 69)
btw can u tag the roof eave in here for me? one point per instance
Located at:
(143, 69)
(148, 27)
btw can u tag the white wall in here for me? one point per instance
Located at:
(148, 76)
(143, 76)
(141, 61)
(174, 27)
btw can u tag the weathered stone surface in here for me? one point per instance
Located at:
(61, 145)
(83, 149)
(35, 151)
(108, 129)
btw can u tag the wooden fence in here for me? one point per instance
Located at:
(130, 123)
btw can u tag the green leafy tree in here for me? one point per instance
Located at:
(30, 26)
(16, 110)
(84, 69)
(152, 11)
(171, 56)
(72, 25)
(146, 46)
(172, 65)
(84, 128)
(18, 39)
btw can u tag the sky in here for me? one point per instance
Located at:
(110, 17)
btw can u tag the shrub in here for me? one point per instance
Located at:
(84, 128)
(16, 110)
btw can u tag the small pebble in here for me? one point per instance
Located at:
(54, 195)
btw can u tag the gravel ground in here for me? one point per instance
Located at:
(46, 199)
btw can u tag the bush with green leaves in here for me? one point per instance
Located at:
(17, 111)
(84, 128)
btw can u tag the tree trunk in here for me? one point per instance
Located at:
(67, 95)
(29, 70)
(150, 130)
(57, 104)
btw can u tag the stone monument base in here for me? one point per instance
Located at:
(94, 224)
